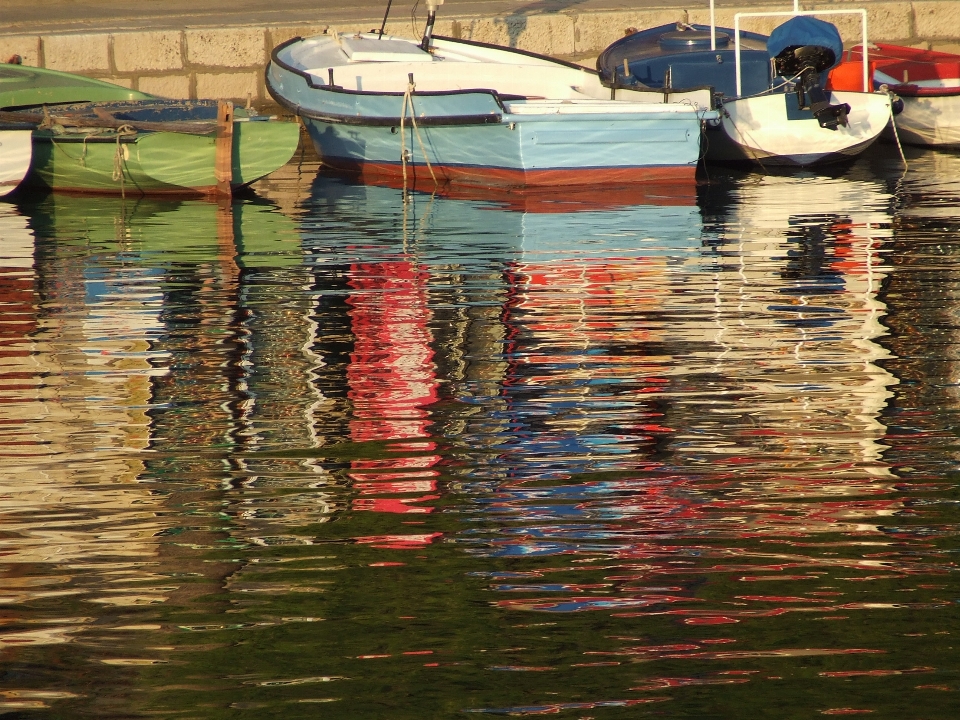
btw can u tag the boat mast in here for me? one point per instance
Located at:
(432, 6)
(384, 23)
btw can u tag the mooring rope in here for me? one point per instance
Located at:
(893, 124)
(122, 131)
(408, 101)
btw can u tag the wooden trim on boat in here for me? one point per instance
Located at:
(77, 137)
(371, 93)
(434, 121)
(483, 176)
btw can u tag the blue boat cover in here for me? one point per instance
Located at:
(805, 30)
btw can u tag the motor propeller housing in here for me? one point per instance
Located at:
(805, 63)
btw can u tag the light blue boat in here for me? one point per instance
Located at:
(453, 111)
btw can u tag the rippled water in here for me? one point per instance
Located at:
(323, 454)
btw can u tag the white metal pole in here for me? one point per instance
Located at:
(736, 50)
(866, 62)
(713, 27)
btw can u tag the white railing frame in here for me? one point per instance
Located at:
(796, 11)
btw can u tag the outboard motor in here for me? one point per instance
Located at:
(804, 47)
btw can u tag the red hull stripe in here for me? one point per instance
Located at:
(419, 175)
(917, 91)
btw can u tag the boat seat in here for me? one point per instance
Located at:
(363, 49)
(589, 107)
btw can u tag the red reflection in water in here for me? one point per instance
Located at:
(392, 381)
(398, 542)
(391, 373)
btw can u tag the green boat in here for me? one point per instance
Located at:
(22, 86)
(95, 137)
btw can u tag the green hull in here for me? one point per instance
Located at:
(151, 163)
(23, 87)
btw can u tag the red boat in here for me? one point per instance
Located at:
(927, 81)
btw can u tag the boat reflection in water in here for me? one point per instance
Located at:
(634, 450)
(481, 250)
(746, 358)
(668, 414)
(89, 295)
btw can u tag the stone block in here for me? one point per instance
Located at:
(725, 17)
(488, 30)
(889, 21)
(947, 47)
(168, 86)
(936, 20)
(851, 28)
(126, 82)
(280, 34)
(26, 46)
(155, 50)
(76, 53)
(546, 34)
(227, 47)
(228, 86)
(446, 28)
(594, 31)
(886, 20)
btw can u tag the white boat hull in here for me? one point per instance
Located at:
(930, 121)
(765, 130)
(16, 150)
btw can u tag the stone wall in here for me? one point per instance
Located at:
(228, 62)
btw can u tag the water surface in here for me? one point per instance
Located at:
(671, 453)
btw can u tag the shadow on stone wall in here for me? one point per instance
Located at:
(516, 21)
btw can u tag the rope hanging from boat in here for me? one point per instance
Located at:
(745, 139)
(893, 124)
(408, 101)
(118, 158)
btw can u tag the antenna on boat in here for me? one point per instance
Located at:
(432, 6)
(384, 23)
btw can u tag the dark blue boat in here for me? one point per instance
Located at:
(683, 56)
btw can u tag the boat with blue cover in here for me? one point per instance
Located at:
(769, 90)
(446, 111)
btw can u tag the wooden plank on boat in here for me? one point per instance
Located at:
(106, 120)
(223, 162)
